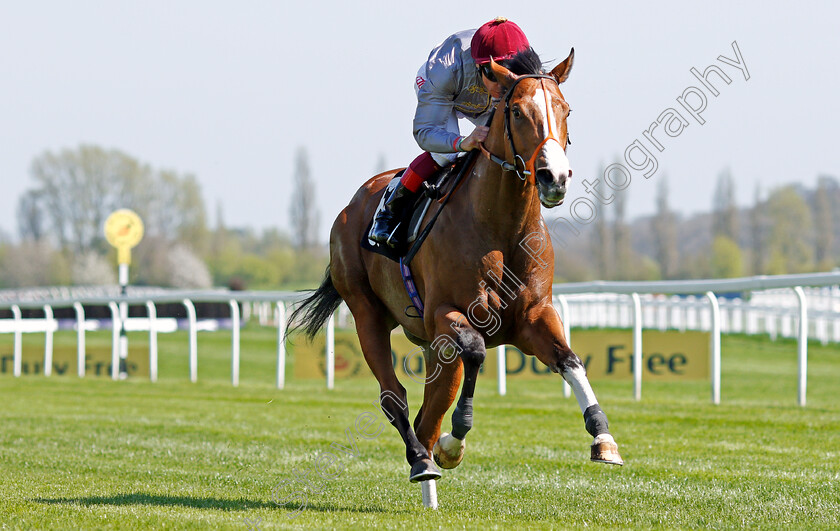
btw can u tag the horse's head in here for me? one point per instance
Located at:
(535, 123)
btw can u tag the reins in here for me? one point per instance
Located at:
(527, 166)
(468, 164)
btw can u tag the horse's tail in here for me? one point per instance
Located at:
(314, 311)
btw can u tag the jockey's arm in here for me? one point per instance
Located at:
(435, 107)
(434, 110)
(478, 136)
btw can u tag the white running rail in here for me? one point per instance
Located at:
(780, 306)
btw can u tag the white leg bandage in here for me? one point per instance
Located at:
(580, 385)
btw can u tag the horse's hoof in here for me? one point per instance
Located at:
(423, 470)
(605, 450)
(448, 451)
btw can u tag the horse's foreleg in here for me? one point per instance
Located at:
(375, 341)
(455, 337)
(543, 337)
(442, 382)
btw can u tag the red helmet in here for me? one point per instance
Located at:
(500, 39)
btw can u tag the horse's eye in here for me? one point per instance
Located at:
(517, 113)
(568, 140)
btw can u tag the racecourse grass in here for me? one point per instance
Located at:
(97, 454)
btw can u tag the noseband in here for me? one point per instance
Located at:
(527, 166)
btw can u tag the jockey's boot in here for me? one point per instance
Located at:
(393, 212)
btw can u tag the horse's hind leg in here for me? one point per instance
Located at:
(542, 335)
(375, 339)
(455, 337)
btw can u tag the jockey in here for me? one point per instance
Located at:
(455, 82)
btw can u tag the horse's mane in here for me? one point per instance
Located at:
(524, 63)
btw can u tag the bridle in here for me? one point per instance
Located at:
(527, 165)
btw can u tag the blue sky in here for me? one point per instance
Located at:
(229, 90)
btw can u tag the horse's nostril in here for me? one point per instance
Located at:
(544, 176)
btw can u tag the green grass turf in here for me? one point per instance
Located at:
(99, 454)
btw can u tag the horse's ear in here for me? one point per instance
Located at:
(561, 71)
(505, 77)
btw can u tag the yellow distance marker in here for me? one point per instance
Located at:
(124, 230)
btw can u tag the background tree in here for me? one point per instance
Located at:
(76, 190)
(724, 209)
(622, 246)
(161, 262)
(789, 245)
(185, 269)
(824, 223)
(568, 267)
(176, 211)
(696, 264)
(727, 259)
(92, 269)
(665, 233)
(33, 264)
(266, 260)
(757, 233)
(30, 216)
(602, 244)
(304, 212)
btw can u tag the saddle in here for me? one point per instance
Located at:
(410, 231)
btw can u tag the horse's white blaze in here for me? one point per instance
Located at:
(580, 385)
(556, 161)
(541, 98)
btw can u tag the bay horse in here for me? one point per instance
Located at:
(484, 273)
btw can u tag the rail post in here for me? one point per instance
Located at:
(501, 370)
(330, 351)
(18, 353)
(116, 326)
(193, 339)
(48, 339)
(281, 345)
(80, 339)
(714, 340)
(153, 346)
(637, 346)
(234, 343)
(802, 343)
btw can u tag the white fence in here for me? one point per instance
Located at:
(150, 324)
(771, 312)
(778, 306)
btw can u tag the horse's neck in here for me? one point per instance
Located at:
(504, 206)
